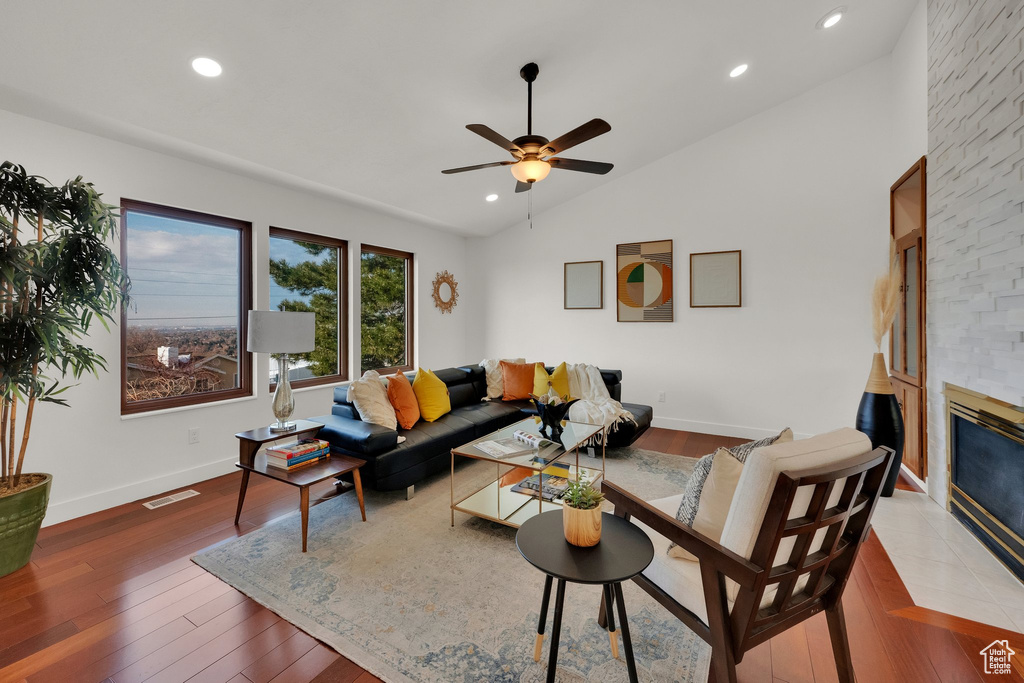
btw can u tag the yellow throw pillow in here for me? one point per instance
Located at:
(431, 395)
(558, 379)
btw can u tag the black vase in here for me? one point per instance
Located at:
(880, 418)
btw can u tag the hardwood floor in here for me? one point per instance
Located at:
(114, 597)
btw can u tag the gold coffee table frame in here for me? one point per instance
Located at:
(496, 500)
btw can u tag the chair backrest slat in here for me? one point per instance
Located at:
(810, 555)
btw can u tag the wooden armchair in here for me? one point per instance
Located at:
(799, 515)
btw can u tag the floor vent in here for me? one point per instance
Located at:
(167, 500)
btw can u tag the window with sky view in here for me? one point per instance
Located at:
(183, 329)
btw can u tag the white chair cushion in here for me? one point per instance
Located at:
(761, 471)
(678, 577)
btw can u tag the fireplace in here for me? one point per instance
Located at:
(986, 472)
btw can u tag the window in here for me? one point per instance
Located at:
(182, 336)
(307, 273)
(386, 301)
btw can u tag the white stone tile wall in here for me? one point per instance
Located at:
(975, 234)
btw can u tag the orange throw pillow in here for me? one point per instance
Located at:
(402, 398)
(518, 380)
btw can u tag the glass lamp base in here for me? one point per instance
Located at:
(282, 427)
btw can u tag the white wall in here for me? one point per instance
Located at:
(910, 93)
(100, 459)
(801, 189)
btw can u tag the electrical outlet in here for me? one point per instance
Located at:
(661, 397)
(193, 435)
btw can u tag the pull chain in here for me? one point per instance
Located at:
(529, 210)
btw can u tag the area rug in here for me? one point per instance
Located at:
(410, 598)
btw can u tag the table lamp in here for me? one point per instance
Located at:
(281, 332)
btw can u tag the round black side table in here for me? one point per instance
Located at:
(624, 552)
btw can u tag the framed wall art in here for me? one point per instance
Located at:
(584, 285)
(643, 282)
(715, 280)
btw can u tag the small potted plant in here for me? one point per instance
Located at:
(581, 513)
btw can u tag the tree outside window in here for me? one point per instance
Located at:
(386, 309)
(307, 273)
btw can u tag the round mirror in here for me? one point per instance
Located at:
(446, 292)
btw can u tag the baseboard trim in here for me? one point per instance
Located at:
(62, 511)
(718, 429)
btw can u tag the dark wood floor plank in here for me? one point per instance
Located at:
(218, 648)
(140, 596)
(183, 647)
(204, 613)
(341, 670)
(245, 654)
(280, 658)
(756, 666)
(791, 660)
(85, 666)
(308, 665)
(40, 641)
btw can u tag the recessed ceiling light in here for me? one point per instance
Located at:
(491, 197)
(204, 66)
(738, 71)
(832, 18)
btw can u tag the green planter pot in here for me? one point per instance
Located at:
(21, 515)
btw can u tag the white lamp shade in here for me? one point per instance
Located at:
(280, 332)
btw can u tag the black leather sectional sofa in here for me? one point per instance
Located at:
(427, 447)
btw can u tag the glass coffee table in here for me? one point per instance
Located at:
(497, 501)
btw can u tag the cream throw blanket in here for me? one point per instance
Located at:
(596, 406)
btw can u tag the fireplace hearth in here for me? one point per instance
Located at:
(986, 472)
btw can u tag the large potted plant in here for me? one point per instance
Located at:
(58, 275)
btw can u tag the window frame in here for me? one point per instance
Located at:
(245, 300)
(342, 245)
(409, 299)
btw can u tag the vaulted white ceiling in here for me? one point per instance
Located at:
(369, 100)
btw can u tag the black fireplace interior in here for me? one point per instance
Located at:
(987, 476)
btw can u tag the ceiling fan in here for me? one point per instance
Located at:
(534, 155)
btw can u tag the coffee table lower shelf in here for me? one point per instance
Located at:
(503, 505)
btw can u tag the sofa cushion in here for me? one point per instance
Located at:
(424, 442)
(403, 399)
(627, 432)
(488, 416)
(493, 377)
(517, 379)
(355, 435)
(462, 395)
(431, 395)
(370, 397)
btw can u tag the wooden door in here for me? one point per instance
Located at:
(907, 358)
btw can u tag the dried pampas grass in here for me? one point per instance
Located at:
(886, 297)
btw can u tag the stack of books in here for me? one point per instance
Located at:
(297, 454)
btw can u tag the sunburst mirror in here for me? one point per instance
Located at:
(446, 292)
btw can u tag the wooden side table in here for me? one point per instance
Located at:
(250, 460)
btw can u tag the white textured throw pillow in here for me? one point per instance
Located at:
(710, 488)
(492, 371)
(370, 397)
(715, 498)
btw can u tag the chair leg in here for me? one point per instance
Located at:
(840, 643)
(723, 659)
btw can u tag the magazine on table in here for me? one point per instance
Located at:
(504, 448)
(553, 487)
(519, 443)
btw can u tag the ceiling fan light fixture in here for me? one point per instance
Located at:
(530, 170)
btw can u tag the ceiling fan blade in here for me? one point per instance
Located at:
(590, 129)
(523, 187)
(497, 138)
(598, 167)
(473, 168)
